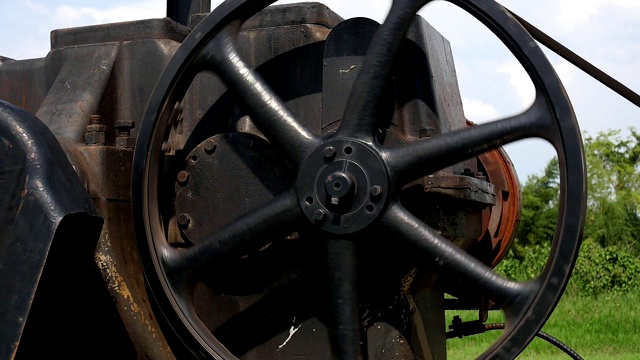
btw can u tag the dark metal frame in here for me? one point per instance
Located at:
(171, 271)
(42, 199)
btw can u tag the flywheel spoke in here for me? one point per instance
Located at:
(420, 158)
(360, 115)
(249, 231)
(452, 262)
(343, 298)
(265, 108)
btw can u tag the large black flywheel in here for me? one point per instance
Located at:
(283, 255)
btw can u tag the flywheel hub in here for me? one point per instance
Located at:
(342, 186)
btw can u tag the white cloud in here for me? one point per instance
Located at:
(478, 111)
(576, 13)
(520, 81)
(65, 16)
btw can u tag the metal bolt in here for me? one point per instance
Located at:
(124, 127)
(319, 215)
(376, 190)
(426, 132)
(183, 177)
(329, 152)
(94, 119)
(468, 172)
(94, 133)
(184, 220)
(209, 146)
(248, 143)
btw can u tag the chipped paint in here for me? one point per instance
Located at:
(113, 277)
(292, 331)
(120, 290)
(349, 69)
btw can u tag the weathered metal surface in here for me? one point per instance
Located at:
(23, 83)
(461, 187)
(117, 257)
(230, 157)
(505, 216)
(119, 32)
(108, 71)
(283, 55)
(72, 97)
(40, 191)
(430, 138)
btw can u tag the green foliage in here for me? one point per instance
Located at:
(614, 189)
(525, 266)
(603, 270)
(539, 210)
(609, 260)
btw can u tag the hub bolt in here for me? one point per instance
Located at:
(319, 215)
(184, 220)
(329, 152)
(209, 146)
(183, 177)
(376, 190)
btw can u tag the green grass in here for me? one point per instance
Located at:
(604, 327)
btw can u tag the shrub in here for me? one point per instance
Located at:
(599, 270)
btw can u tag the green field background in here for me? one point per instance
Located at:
(599, 328)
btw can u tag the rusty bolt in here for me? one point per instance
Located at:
(209, 146)
(319, 215)
(183, 177)
(96, 128)
(124, 127)
(94, 133)
(184, 220)
(468, 172)
(426, 132)
(376, 190)
(94, 119)
(329, 152)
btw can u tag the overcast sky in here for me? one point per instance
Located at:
(605, 32)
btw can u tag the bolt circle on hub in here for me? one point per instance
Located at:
(342, 186)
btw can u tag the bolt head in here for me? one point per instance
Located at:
(184, 220)
(426, 132)
(319, 215)
(376, 190)
(209, 146)
(329, 152)
(94, 119)
(124, 124)
(183, 177)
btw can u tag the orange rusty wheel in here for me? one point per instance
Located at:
(503, 218)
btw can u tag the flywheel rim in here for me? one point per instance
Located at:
(165, 271)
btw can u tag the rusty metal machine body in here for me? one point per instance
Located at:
(271, 183)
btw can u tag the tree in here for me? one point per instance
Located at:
(614, 189)
(610, 254)
(613, 202)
